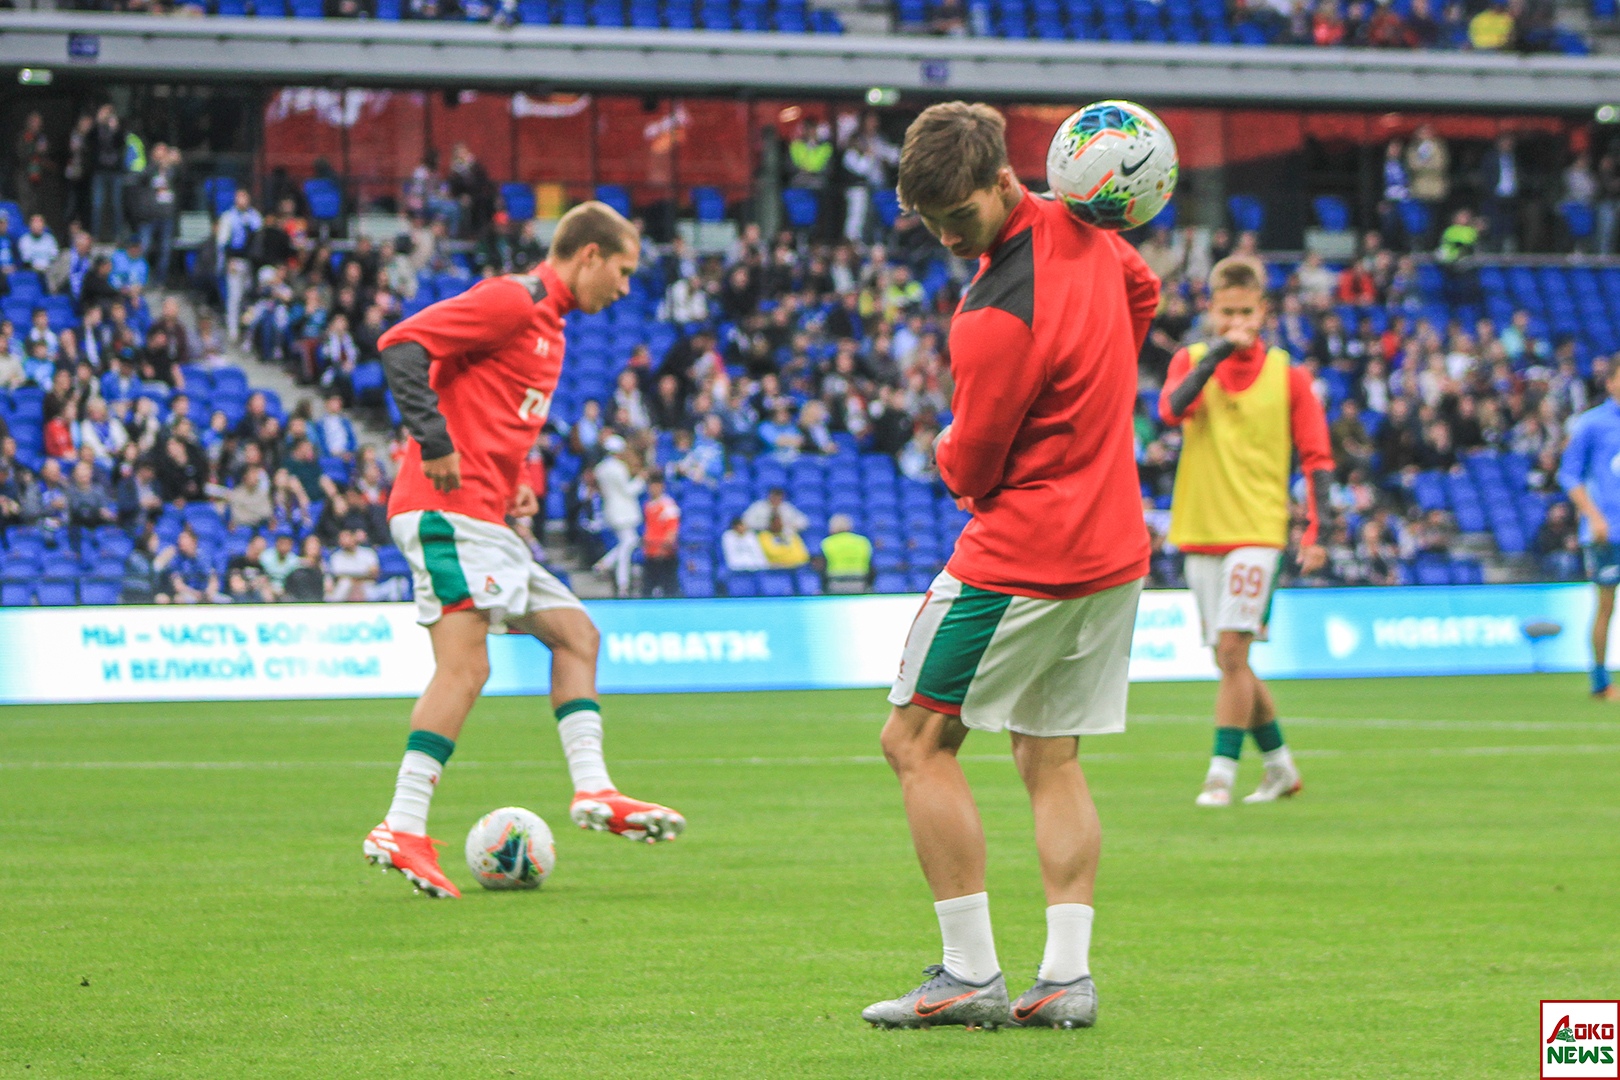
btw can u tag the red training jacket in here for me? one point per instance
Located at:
(1043, 351)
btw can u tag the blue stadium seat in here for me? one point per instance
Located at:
(16, 225)
(776, 583)
(709, 203)
(57, 592)
(221, 192)
(615, 196)
(802, 205)
(101, 589)
(892, 582)
(1248, 213)
(700, 586)
(519, 199)
(742, 583)
(325, 199)
(1415, 220)
(16, 593)
(308, 9)
(1578, 219)
(1332, 212)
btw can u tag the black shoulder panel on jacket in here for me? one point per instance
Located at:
(532, 282)
(1008, 283)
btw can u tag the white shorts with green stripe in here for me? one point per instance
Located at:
(1234, 590)
(459, 563)
(1016, 663)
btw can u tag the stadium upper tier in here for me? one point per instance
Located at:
(1187, 22)
(1088, 62)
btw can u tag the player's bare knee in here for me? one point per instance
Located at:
(913, 736)
(1232, 656)
(1036, 756)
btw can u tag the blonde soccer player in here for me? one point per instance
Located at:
(1244, 412)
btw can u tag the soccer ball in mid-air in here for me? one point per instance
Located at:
(1113, 164)
(511, 848)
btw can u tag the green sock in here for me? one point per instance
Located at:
(1268, 737)
(1229, 742)
(432, 744)
(579, 704)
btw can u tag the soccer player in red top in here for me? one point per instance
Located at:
(1244, 412)
(473, 377)
(1028, 629)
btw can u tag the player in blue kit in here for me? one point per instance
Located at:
(1590, 472)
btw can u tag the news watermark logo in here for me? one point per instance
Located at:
(1578, 1039)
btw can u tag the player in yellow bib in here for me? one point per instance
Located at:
(1244, 411)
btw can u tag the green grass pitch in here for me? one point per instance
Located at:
(182, 893)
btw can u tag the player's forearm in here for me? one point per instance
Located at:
(1321, 509)
(1186, 392)
(405, 363)
(970, 469)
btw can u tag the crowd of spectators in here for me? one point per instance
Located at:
(153, 450)
(1406, 394)
(1485, 25)
(824, 340)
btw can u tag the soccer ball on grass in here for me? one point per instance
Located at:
(511, 848)
(1113, 164)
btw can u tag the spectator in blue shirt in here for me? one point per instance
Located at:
(334, 433)
(187, 577)
(129, 271)
(46, 502)
(8, 257)
(81, 259)
(779, 433)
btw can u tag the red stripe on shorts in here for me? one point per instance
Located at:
(946, 707)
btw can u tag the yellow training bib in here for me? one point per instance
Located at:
(1236, 456)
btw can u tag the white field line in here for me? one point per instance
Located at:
(1394, 724)
(794, 762)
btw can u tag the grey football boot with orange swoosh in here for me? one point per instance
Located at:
(942, 1000)
(1059, 1005)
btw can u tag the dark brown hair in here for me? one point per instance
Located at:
(951, 151)
(593, 223)
(1238, 272)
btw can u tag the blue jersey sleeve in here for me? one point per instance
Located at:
(1572, 469)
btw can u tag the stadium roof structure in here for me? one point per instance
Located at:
(476, 55)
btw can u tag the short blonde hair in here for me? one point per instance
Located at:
(1238, 272)
(593, 223)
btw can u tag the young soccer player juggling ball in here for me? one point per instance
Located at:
(473, 377)
(1588, 473)
(1244, 411)
(1028, 629)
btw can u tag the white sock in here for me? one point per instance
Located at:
(1279, 756)
(413, 792)
(970, 947)
(581, 734)
(1068, 942)
(1223, 769)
